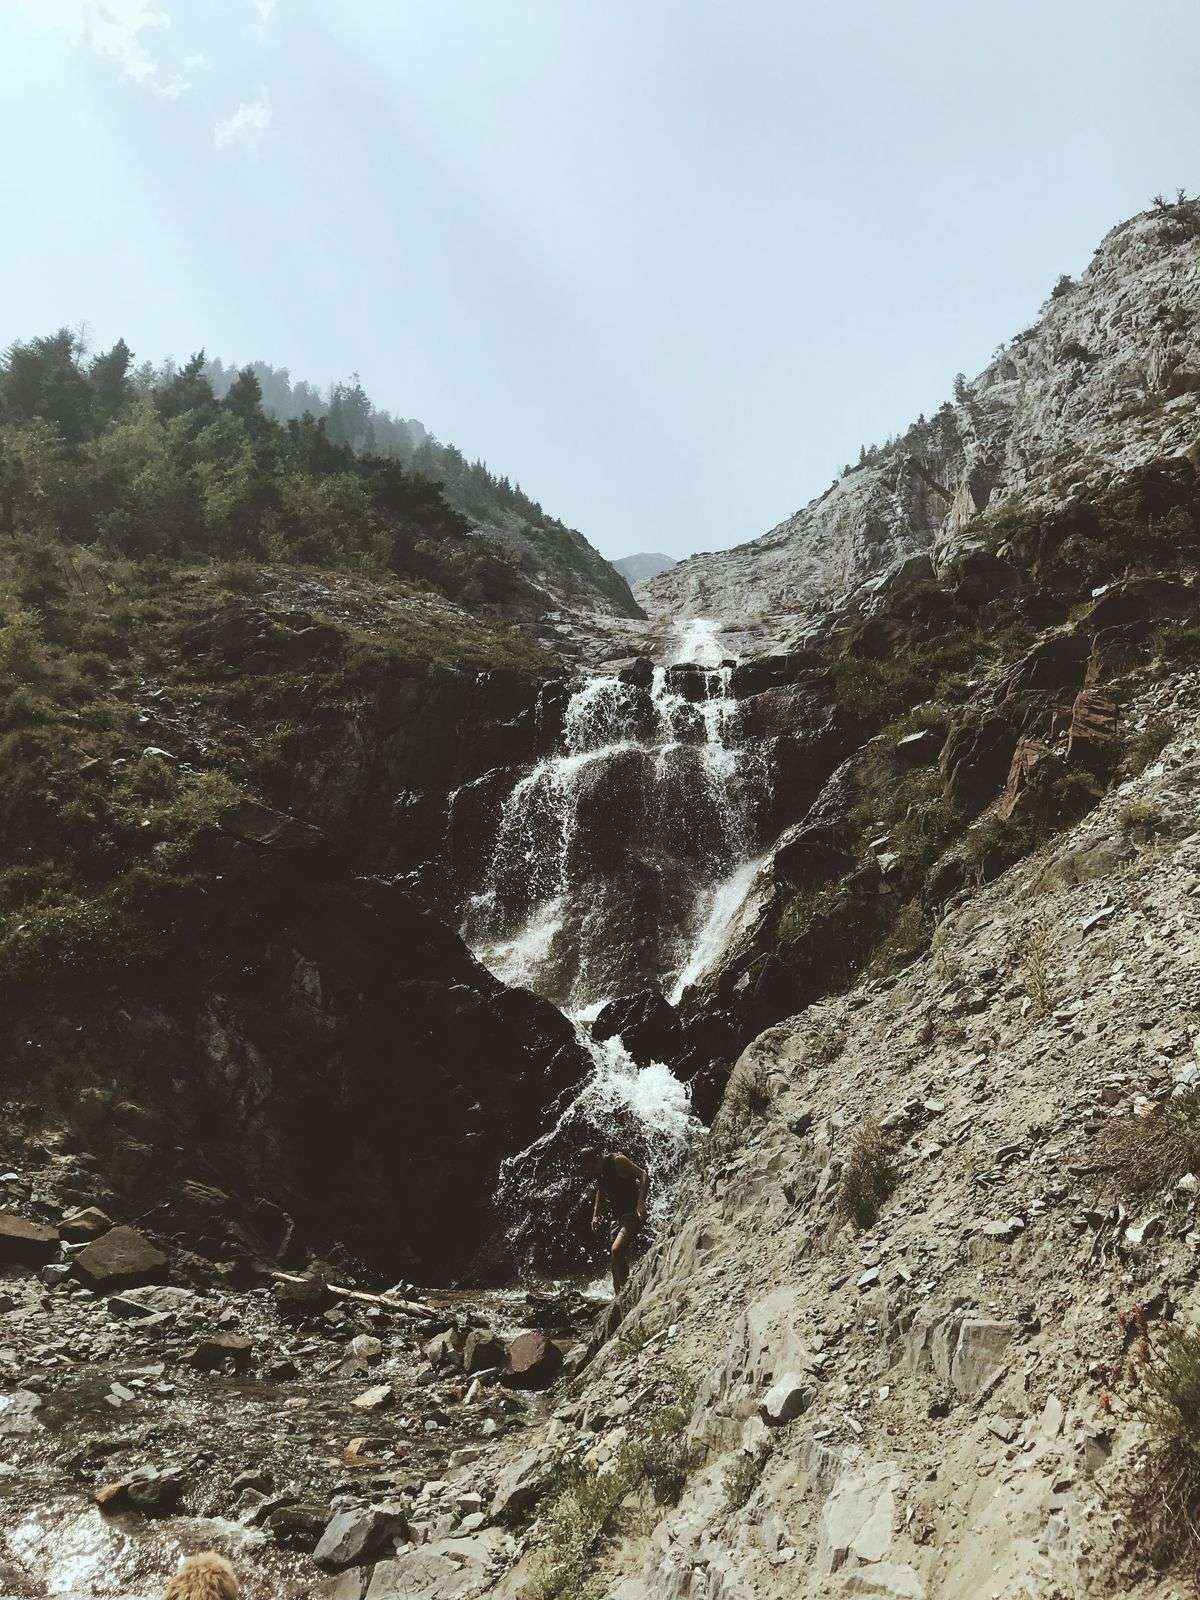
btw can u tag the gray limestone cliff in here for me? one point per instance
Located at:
(1107, 378)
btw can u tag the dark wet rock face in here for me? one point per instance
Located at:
(346, 1057)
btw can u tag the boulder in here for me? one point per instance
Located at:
(785, 1400)
(298, 1526)
(887, 1580)
(482, 1350)
(25, 1244)
(858, 1517)
(976, 757)
(920, 749)
(1094, 740)
(1147, 599)
(532, 1362)
(150, 1302)
(354, 1538)
(1027, 757)
(1052, 665)
(257, 824)
(453, 1568)
(154, 1491)
(84, 1223)
(120, 1259)
(304, 1297)
(966, 1353)
(522, 1483)
(17, 1411)
(377, 1398)
(647, 1024)
(221, 1349)
(443, 1348)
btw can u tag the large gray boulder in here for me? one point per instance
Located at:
(354, 1538)
(522, 1484)
(120, 1259)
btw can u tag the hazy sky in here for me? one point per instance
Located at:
(667, 262)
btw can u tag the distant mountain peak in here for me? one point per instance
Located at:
(645, 564)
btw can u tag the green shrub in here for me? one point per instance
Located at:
(22, 652)
(1148, 745)
(869, 1175)
(585, 1513)
(1139, 816)
(748, 1095)
(907, 937)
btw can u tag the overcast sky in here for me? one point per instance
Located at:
(667, 262)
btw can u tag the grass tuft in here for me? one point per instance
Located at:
(1165, 1499)
(869, 1175)
(1152, 1152)
(586, 1512)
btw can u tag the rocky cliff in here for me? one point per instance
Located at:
(1108, 378)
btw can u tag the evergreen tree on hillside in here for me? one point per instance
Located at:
(108, 376)
(42, 380)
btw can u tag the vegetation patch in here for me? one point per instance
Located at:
(869, 1175)
(1149, 744)
(588, 1507)
(742, 1477)
(1164, 1509)
(1139, 816)
(907, 938)
(1150, 1153)
(749, 1095)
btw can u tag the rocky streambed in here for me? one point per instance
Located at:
(300, 1428)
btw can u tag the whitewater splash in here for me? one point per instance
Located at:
(623, 861)
(607, 853)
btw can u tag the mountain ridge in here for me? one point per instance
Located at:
(557, 559)
(1109, 373)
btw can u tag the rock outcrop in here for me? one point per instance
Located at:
(1107, 380)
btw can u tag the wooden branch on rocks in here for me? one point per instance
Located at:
(409, 1308)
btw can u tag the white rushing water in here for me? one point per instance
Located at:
(622, 861)
(726, 905)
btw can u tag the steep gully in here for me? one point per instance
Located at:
(619, 865)
(618, 862)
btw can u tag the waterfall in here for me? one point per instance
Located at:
(619, 862)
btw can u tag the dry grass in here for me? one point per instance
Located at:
(749, 1095)
(1164, 1509)
(869, 1175)
(1151, 1153)
(1034, 964)
(1139, 816)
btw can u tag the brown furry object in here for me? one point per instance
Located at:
(204, 1577)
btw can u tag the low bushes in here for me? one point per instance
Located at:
(1164, 1508)
(586, 1512)
(869, 1175)
(1151, 1153)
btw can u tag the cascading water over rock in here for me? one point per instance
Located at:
(619, 863)
(607, 853)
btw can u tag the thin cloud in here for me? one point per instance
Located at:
(117, 29)
(265, 10)
(245, 125)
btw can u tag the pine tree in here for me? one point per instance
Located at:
(110, 382)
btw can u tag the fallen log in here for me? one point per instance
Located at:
(408, 1308)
